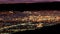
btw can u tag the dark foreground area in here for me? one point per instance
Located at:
(47, 29)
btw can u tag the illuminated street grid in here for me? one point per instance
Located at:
(27, 20)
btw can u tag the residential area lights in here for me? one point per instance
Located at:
(34, 18)
(38, 18)
(30, 16)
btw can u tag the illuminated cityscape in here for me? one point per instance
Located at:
(27, 20)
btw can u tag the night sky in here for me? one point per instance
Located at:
(26, 1)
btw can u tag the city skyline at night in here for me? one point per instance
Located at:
(27, 20)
